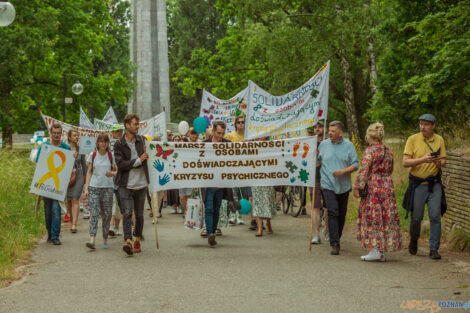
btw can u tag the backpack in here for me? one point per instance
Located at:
(110, 157)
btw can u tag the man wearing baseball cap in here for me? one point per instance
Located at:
(425, 155)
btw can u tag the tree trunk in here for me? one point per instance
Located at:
(372, 67)
(7, 135)
(351, 117)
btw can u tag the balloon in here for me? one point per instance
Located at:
(245, 207)
(44, 139)
(200, 125)
(183, 127)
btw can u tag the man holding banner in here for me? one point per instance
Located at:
(238, 135)
(52, 209)
(212, 197)
(338, 160)
(132, 178)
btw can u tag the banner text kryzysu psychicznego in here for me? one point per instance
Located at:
(269, 115)
(176, 165)
(216, 109)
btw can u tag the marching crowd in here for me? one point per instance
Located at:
(115, 181)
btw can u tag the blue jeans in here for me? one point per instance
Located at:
(212, 208)
(433, 200)
(52, 216)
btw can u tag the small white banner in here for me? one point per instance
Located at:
(216, 109)
(176, 165)
(53, 171)
(270, 115)
(87, 145)
(84, 121)
(155, 125)
(110, 117)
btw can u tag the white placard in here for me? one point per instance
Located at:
(176, 165)
(269, 115)
(87, 145)
(53, 171)
(39, 133)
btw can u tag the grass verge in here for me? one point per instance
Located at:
(19, 225)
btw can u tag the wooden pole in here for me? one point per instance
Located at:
(312, 202)
(155, 218)
(38, 204)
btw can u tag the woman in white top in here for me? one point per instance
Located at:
(99, 188)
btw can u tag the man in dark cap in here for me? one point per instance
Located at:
(425, 154)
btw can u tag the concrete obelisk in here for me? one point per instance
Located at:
(149, 53)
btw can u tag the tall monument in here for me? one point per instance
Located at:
(149, 53)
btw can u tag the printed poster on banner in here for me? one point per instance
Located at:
(215, 109)
(53, 171)
(87, 145)
(49, 121)
(176, 165)
(269, 115)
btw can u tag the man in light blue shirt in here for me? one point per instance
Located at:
(338, 160)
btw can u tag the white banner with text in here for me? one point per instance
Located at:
(176, 165)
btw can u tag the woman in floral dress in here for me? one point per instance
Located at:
(378, 221)
(264, 204)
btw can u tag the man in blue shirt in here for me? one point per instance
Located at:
(51, 207)
(338, 160)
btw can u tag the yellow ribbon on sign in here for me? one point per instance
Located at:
(53, 171)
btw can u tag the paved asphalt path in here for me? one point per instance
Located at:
(273, 273)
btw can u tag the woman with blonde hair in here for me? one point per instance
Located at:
(75, 190)
(378, 221)
(100, 188)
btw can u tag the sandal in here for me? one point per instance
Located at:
(259, 235)
(73, 229)
(204, 232)
(218, 232)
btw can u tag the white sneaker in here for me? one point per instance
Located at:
(179, 210)
(326, 234)
(174, 210)
(117, 232)
(374, 255)
(316, 240)
(240, 221)
(233, 219)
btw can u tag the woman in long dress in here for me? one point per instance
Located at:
(378, 221)
(75, 191)
(264, 204)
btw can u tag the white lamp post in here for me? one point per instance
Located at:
(77, 88)
(7, 13)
